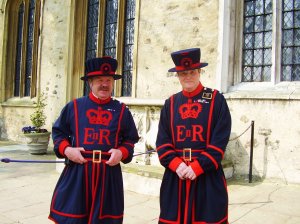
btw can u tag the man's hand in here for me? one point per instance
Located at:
(189, 173)
(115, 157)
(74, 154)
(181, 170)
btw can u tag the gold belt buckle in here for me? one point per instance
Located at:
(96, 156)
(187, 154)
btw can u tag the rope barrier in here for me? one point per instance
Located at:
(232, 139)
(8, 160)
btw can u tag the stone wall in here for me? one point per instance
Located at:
(276, 137)
(172, 26)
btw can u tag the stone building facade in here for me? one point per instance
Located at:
(60, 43)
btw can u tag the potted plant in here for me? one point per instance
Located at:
(37, 138)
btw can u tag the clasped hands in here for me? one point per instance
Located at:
(185, 172)
(74, 154)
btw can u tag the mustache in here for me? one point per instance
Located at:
(104, 88)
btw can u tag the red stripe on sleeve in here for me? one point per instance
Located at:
(124, 152)
(175, 163)
(211, 158)
(164, 145)
(217, 149)
(196, 168)
(62, 146)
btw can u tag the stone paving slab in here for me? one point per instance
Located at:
(26, 191)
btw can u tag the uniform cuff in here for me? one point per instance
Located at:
(124, 152)
(62, 146)
(196, 168)
(175, 163)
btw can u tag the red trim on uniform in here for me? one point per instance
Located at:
(165, 154)
(168, 221)
(62, 213)
(211, 158)
(193, 150)
(97, 100)
(62, 146)
(179, 201)
(94, 189)
(128, 143)
(187, 195)
(203, 222)
(219, 222)
(217, 149)
(179, 206)
(173, 165)
(194, 92)
(95, 174)
(76, 122)
(112, 216)
(102, 194)
(210, 117)
(124, 151)
(172, 116)
(100, 73)
(164, 145)
(87, 187)
(119, 125)
(196, 168)
(52, 219)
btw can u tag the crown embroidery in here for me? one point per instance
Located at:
(99, 116)
(190, 110)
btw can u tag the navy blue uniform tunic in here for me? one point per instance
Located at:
(92, 193)
(195, 128)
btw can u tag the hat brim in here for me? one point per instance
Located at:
(115, 76)
(204, 64)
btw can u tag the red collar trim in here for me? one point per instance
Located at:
(193, 93)
(97, 100)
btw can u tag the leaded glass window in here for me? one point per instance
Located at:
(92, 29)
(29, 51)
(128, 48)
(25, 57)
(257, 42)
(110, 32)
(19, 51)
(290, 53)
(111, 22)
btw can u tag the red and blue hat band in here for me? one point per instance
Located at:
(193, 66)
(100, 73)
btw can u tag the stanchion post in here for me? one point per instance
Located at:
(251, 151)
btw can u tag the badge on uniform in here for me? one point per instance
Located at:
(206, 95)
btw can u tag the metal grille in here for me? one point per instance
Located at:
(290, 54)
(257, 41)
(111, 20)
(19, 51)
(29, 52)
(128, 48)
